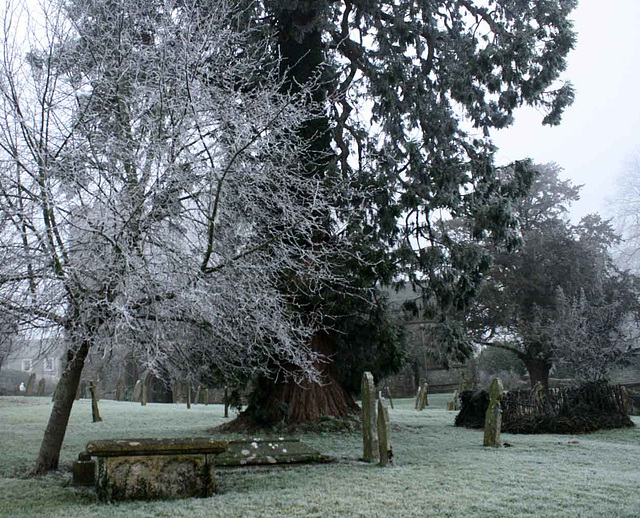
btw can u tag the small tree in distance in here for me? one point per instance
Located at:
(151, 191)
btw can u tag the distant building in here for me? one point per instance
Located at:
(423, 363)
(40, 356)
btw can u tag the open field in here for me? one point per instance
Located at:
(439, 470)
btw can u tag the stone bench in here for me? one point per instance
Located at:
(147, 469)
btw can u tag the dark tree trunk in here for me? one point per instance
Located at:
(538, 370)
(64, 397)
(294, 404)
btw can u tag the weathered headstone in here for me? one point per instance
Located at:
(30, 384)
(422, 399)
(41, 386)
(626, 399)
(369, 425)
(137, 391)
(84, 470)
(144, 388)
(95, 412)
(385, 445)
(120, 387)
(453, 404)
(493, 418)
(389, 396)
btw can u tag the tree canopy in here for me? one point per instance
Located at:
(413, 89)
(559, 298)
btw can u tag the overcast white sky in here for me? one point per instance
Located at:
(600, 132)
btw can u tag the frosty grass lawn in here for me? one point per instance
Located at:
(439, 470)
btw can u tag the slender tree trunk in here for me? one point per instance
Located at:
(538, 371)
(64, 397)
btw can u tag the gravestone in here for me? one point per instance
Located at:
(41, 387)
(120, 387)
(493, 418)
(137, 391)
(369, 425)
(30, 384)
(84, 470)
(385, 446)
(453, 404)
(95, 412)
(144, 389)
(390, 398)
(422, 399)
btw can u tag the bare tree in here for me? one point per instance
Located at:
(594, 336)
(625, 208)
(7, 339)
(151, 190)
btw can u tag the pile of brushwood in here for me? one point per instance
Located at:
(586, 408)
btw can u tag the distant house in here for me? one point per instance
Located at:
(40, 356)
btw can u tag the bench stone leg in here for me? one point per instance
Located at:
(155, 477)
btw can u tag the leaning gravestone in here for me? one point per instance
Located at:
(30, 384)
(137, 391)
(369, 425)
(493, 419)
(385, 446)
(41, 387)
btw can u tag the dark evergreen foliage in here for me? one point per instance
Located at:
(423, 70)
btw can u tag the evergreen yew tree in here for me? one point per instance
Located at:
(558, 298)
(412, 90)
